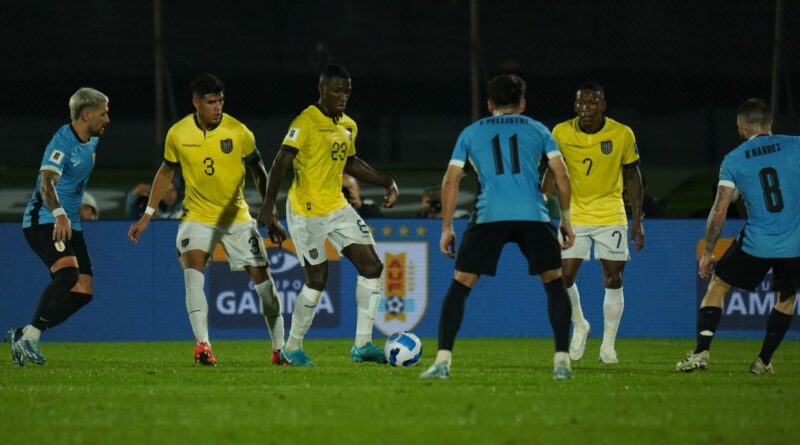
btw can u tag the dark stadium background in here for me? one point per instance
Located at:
(674, 71)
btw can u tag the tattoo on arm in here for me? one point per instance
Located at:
(716, 219)
(48, 189)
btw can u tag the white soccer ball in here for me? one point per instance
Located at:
(403, 349)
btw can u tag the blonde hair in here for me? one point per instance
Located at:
(85, 98)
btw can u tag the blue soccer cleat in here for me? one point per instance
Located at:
(13, 337)
(30, 351)
(368, 353)
(436, 371)
(297, 357)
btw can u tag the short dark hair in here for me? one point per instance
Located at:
(755, 111)
(206, 84)
(594, 86)
(331, 71)
(506, 90)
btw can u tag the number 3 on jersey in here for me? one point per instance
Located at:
(209, 163)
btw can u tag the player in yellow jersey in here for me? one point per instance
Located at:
(213, 149)
(320, 145)
(602, 160)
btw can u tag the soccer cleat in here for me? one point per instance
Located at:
(203, 355)
(578, 344)
(278, 359)
(297, 357)
(30, 351)
(693, 362)
(758, 367)
(436, 371)
(561, 367)
(608, 356)
(13, 337)
(367, 353)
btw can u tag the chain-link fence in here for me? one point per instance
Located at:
(675, 71)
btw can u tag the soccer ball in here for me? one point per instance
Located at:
(403, 349)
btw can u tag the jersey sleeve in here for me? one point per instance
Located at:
(248, 142)
(298, 133)
(170, 149)
(53, 158)
(461, 150)
(351, 151)
(630, 153)
(551, 149)
(726, 174)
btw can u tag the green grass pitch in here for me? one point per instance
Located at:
(500, 392)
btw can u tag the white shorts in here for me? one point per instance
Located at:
(342, 228)
(610, 243)
(242, 243)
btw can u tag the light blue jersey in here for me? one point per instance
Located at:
(766, 170)
(505, 151)
(73, 160)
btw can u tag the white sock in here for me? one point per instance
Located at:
(613, 303)
(575, 301)
(271, 308)
(444, 357)
(305, 306)
(196, 304)
(31, 333)
(368, 295)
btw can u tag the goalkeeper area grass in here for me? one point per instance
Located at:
(500, 392)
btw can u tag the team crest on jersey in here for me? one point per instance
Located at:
(226, 145)
(185, 242)
(313, 253)
(349, 132)
(606, 147)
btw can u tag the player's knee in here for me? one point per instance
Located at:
(66, 277)
(373, 270)
(612, 281)
(316, 281)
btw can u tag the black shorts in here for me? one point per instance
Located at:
(40, 238)
(482, 244)
(740, 269)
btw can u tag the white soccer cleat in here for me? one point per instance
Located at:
(608, 356)
(758, 367)
(578, 344)
(693, 362)
(561, 366)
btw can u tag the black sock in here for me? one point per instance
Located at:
(452, 314)
(47, 310)
(71, 303)
(559, 310)
(777, 325)
(707, 320)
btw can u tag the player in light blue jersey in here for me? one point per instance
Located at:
(765, 169)
(51, 222)
(505, 149)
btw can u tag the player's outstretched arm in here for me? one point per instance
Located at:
(160, 185)
(450, 184)
(633, 186)
(276, 231)
(62, 229)
(714, 225)
(362, 171)
(268, 213)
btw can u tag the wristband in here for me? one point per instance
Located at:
(565, 215)
(149, 211)
(58, 211)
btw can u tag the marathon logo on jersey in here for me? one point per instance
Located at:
(226, 145)
(56, 157)
(292, 134)
(404, 286)
(606, 147)
(235, 304)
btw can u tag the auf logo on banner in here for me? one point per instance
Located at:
(405, 286)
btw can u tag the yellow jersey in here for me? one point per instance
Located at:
(213, 166)
(595, 163)
(321, 147)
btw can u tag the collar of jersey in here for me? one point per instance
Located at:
(197, 123)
